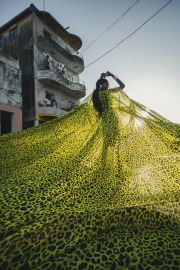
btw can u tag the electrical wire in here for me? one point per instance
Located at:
(110, 26)
(130, 35)
(8, 95)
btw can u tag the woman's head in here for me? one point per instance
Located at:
(102, 84)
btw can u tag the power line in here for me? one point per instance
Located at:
(7, 95)
(110, 26)
(131, 34)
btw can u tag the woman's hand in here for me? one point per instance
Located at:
(121, 84)
(109, 74)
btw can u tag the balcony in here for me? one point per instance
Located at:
(76, 90)
(49, 112)
(44, 111)
(74, 62)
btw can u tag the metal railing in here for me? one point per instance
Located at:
(47, 73)
(57, 105)
(60, 42)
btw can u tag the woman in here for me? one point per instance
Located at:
(102, 85)
(89, 192)
(102, 103)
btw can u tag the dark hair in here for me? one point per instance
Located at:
(95, 96)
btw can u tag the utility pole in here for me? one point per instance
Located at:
(44, 5)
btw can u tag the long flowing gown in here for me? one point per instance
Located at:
(90, 192)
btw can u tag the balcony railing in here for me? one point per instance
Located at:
(53, 110)
(50, 111)
(75, 89)
(73, 61)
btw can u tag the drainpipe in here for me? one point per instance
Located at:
(13, 124)
(36, 122)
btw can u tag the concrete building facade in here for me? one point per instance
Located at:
(10, 95)
(49, 61)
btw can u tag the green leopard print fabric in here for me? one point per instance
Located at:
(90, 192)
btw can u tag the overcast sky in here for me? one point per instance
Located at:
(148, 62)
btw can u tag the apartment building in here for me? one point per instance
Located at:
(49, 62)
(10, 95)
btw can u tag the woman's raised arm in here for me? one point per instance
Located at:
(121, 84)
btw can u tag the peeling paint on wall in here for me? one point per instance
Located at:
(10, 82)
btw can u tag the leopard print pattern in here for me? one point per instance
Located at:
(90, 192)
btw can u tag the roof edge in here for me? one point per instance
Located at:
(75, 41)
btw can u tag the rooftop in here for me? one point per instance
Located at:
(49, 20)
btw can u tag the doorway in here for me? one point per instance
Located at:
(5, 122)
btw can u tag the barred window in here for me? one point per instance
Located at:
(1, 41)
(13, 33)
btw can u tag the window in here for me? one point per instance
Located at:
(13, 33)
(1, 41)
(46, 33)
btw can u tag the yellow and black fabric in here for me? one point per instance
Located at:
(90, 192)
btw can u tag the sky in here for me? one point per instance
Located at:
(148, 62)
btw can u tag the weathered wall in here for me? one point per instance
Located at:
(22, 49)
(11, 47)
(10, 82)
